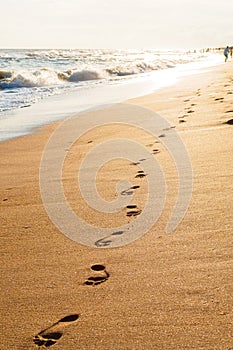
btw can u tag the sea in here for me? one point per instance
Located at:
(38, 87)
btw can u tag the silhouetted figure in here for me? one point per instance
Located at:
(231, 49)
(226, 53)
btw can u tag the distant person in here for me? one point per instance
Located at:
(226, 53)
(231, 49)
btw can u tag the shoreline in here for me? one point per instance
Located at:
(22, 122)
(162, 291)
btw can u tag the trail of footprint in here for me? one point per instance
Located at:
(103, 275)
(49, 336)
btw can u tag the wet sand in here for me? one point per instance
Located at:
(163, 291)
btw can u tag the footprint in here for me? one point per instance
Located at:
(106, 241)
(137, 163)
(230, 111)
(140, 174)
(103, 275)
(156, 150)
(169, 128)
(134, 212)
(182, 121)
(186, 100)
(129, 191)
(219, 99)
(190, 111)
(49, 336)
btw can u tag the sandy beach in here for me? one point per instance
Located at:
(162, 291)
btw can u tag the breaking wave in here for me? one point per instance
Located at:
(27, 76)
(49, 77)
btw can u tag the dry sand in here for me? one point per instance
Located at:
(163, 291)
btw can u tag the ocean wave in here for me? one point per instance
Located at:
(28, 79)
(75, 76)
(49, 77)
(27, 76)
(138, 68)
(5, 74)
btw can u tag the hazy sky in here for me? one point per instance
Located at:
(116, 23)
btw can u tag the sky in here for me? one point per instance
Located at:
(158, 24)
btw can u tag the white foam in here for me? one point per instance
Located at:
(21, 122)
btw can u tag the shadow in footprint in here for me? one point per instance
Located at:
(103, 275)
(229, 122)
(140, 174)
(129, 191)
(156, 150)
(117, 233)
(133, 212)
(131, 206)
(104, 242)
(49, 336)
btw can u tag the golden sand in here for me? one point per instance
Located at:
(163, 291)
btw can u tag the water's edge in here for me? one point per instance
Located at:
(25, 121)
